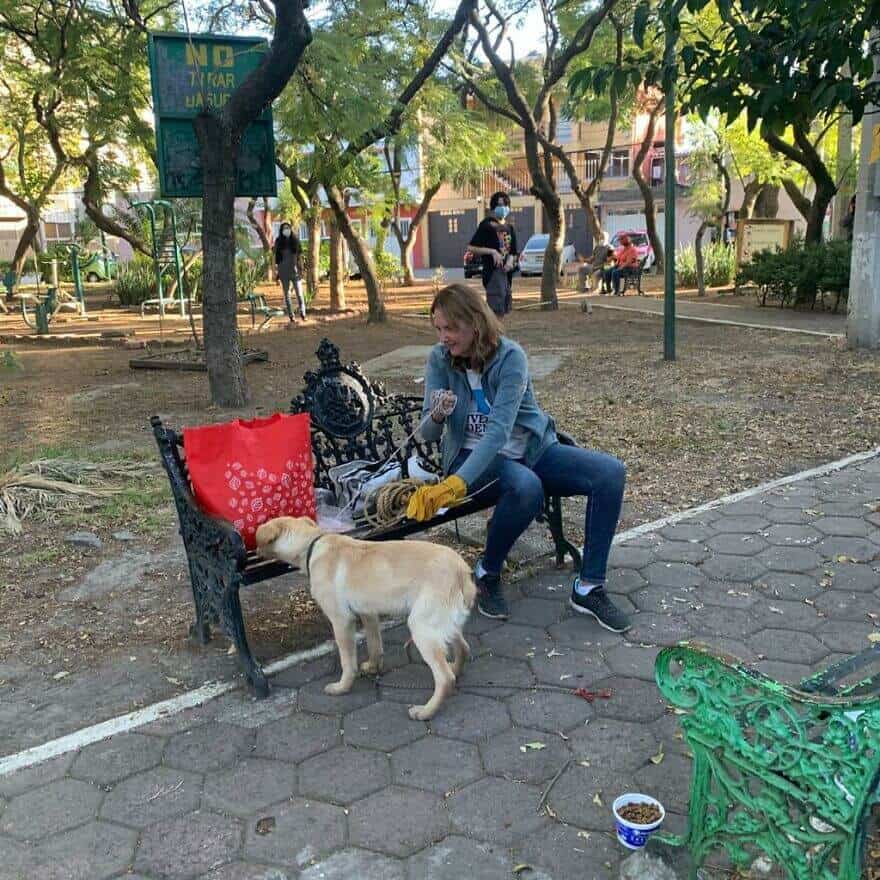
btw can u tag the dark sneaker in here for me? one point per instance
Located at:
(599, 605)
(490, 597)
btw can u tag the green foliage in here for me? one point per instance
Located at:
(323, 263)
(248, 274)
(193, 277)
(719, 263)
(60, 253)
(387, 266)
(10, 361)
(136, 281)
(800, 273)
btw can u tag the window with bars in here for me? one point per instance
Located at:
(618, 166)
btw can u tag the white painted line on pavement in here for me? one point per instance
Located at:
(123, 723)
(681, 317)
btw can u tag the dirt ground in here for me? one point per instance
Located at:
(737, 408)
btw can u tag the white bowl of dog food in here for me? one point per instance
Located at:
(636, 817)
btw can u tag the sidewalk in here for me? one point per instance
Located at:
(314, 787)
(751, 315)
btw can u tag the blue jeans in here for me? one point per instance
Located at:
(519, 492)
(614, 275)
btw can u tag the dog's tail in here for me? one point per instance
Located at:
(464, 595)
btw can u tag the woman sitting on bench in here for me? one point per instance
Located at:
(495, 436)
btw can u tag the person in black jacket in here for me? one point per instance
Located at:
(288, 261)
(495, 242)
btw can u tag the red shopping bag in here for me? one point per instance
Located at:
(248, 472)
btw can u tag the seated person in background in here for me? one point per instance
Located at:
(626, 263)
(595, 266)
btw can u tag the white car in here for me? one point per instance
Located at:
(531, 260)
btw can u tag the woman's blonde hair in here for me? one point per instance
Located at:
(463, 305)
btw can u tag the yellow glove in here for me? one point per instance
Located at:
(427, 500)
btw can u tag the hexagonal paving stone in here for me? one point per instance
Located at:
(152, 796)
(33, 777)
(246, 871)
(471, 718)
(658, 629)
(669, 781)
(676, 601)
(496, 677)
(355, 864)
(313, 699)
(843, 526)
(524, 755)
(788, 645)
(846, 509)
(397, 821)
(673, 574)
(621, 746)
(436, 764)
(410, 683)
(212, 746)
(565, 852)
(251, 784)
(849, 637)
(192, 844)
(496, 810)
(846, 605)
(789, 535)
(343, 775)
(456, 858)
(90, 852)
(859, 578)
(537, 612)
(386, 725)
(304, 830)
(686, 531)
(20, 861)
(629, 556)
(623, 581)
(681, 551)
(730, 595)
(787, 585)
(245, 711)
(791, 615)
(297, 738)
(301, 673)
(632, 661)
(581, 631)
(562, 663)
(788, 673)
(736, 544)
(740, 525)
(727, 567)
(730, 622)
(790, 515)
(791, 498)
(631, 700)
(854, 549)
(117, 757)
(794, 559)
(54, 807)
(574, 797)
(548, 710)
(516, 642)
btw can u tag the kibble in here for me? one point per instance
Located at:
(640, 814)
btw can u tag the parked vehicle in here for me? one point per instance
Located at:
(96, 267)
(531, 260)
(639, 237)
(473, 264)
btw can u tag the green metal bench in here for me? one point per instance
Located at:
(785, 772)
(259, 305)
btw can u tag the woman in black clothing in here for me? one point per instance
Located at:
(288, 260)
(495, 242)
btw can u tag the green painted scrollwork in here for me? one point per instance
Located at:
(777, 771)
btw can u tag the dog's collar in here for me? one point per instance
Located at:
(311, 547)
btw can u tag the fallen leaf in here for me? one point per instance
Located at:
(524, 866)
(584, 834)
(59, 675)
(658, 758)
(555, 653)
(873, 637)
(776, 610)
(266, 825)
(597, 799)
(534, 746)
(584, 763)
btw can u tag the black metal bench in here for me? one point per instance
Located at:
(352, 418)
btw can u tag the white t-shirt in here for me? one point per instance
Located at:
(478, 418)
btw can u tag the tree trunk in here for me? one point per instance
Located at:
(750, 193)
(407, 244)
(313, 272)
(337, 269)
(844, 169)
(822, 198)
(767, 202)
(260, 229)
(553, 254)
(406, 259)
(226, 376)
(645, 187)
(361, 254)
(698, 255)
(29, 238)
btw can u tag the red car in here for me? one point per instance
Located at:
(639, 237)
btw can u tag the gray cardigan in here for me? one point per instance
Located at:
(508, 390)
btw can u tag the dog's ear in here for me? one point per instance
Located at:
(269, 531)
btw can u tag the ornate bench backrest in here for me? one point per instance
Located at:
(354, 418)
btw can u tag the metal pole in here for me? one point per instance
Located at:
(669, 200)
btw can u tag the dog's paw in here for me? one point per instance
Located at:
(420, 713)
(335, 688)
(369, 667)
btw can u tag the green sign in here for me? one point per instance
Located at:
(188, 74)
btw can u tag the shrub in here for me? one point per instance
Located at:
(193, 279)
(136, 281)
(248, 274)
(56, 252)
(388, 266)
(719, 263)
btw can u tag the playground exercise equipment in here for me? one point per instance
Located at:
(166, 256)
(46, 308)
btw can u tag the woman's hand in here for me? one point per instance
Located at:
(443, 404)
(497, 259)
(427, 500)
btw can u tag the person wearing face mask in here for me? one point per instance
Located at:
(288, 261)
(495, 242)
